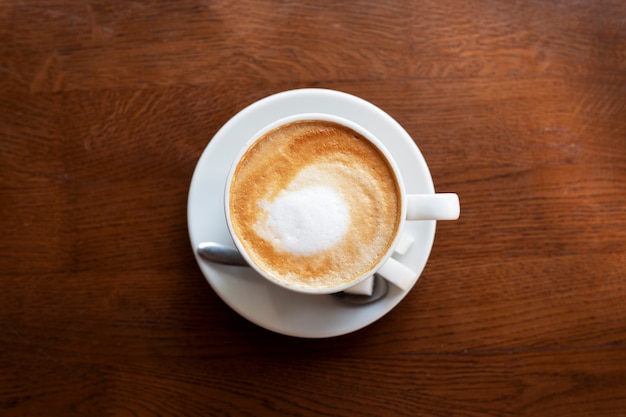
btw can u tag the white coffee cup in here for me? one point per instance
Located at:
(413, 207)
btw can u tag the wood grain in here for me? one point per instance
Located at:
(519, 107)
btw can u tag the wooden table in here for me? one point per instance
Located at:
(518, 106)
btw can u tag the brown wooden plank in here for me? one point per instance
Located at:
(519, 107)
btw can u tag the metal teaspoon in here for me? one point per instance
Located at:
(218, 253)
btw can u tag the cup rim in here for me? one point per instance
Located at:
(328, 118)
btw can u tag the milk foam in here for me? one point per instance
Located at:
(305, 221)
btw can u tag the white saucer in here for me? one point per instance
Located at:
(246, 292)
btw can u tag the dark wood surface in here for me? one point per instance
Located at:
(518, 106)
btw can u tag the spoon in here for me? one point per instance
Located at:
(222, 254)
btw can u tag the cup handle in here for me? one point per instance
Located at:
(397, 273)
(442, 206)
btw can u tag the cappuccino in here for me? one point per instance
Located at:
(315, 204)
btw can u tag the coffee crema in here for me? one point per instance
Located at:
(315, 204)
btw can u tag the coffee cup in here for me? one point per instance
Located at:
(316, 204)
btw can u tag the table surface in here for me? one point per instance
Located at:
(106, 107)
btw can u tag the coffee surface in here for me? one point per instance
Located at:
(315, 204)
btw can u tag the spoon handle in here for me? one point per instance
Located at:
(216, 252)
